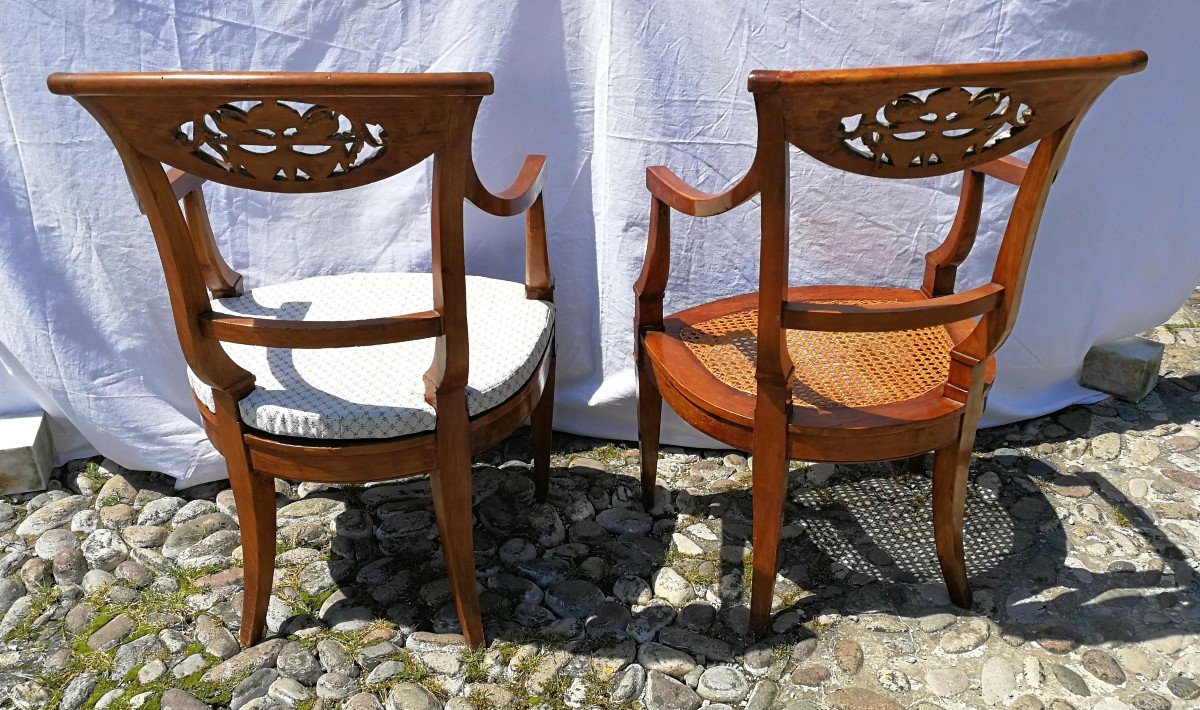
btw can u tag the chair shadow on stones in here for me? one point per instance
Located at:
(857, 541)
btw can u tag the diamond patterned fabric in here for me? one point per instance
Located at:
(378, 391)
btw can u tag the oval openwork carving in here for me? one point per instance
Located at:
(944, 125)
(282, 140)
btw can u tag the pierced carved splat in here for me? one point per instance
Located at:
(947, 124)
(282, 140)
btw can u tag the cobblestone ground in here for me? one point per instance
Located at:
(117, 591)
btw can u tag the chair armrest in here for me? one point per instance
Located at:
(891, 316)
(274, 333)
(668, 188)
(519, 196)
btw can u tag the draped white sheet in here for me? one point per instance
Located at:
(604, 89)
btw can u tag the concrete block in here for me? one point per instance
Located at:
(1126, 368)
(26, 453)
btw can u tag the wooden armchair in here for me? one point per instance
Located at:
(857, 373)
(350, 378)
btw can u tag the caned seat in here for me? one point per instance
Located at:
(843, 383)
(860, 373)
(377, 391)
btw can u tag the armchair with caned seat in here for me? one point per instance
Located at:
(346, 378)
(860, 373)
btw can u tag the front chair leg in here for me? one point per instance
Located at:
(254, 495)
(767, 493)
(451, 486)
(541, 425)
(649, 409)
(950, 467)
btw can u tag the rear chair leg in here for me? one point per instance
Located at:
(541, 425)
(950, 467)
(254, 495)
(649, 427)
(451, 486)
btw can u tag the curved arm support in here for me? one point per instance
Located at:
(524, 195)
(941, 264)
(967, 358)
(670, 192)
(671, 189)
(219, 278)
(185, 280)
(652, 284)
(1012, 261)
(519, 196)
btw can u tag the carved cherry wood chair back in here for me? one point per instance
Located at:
(304, 133)
(853, 373)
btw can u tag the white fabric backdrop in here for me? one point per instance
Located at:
(605, 89)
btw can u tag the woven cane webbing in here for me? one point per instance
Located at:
(833, 370)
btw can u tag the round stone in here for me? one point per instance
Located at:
(160, 511)
(664, 659)
(632, 590)
(52, 515)
(1070, 680)
(1183, 687)
(1103, 666)
(722, 684)
(193, 531)
(144, 536)
(137, 575)
(543, 520)
(860, 699)
(104, 550)
(517, 550)
(410, 696)
(967, 637)
(997, 680)
(85, 521)
(628, 684)
(574, 598)
(849, 655)
(671, 586)
(52, 542)
(947, 682)
(622, 521)
(296, 662)
(289, 692)
(811, 676)
(192, 510)
(335, 686)
(1150, 701)
(666, 693)
(893, 680)
(69, 567)
(310, 510)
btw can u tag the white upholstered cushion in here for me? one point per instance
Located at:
(378, 391)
